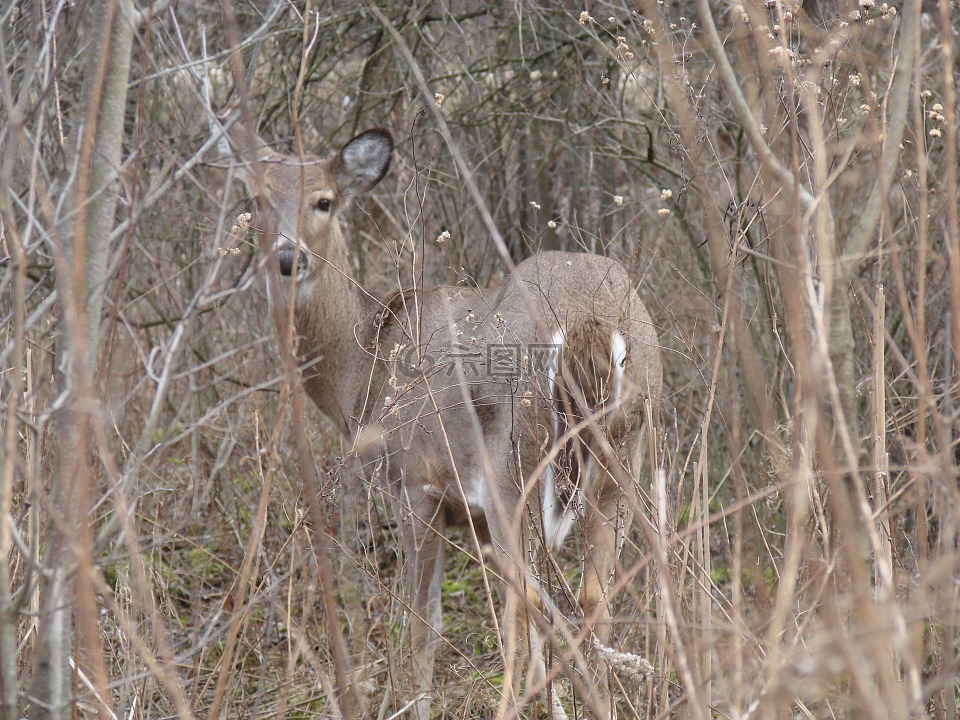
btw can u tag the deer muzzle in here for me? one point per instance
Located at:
(286, 255)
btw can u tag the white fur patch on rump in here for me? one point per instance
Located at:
(557, 521)
(618, 358)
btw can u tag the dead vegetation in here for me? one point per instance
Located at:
(780, 178)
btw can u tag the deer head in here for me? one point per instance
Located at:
(304, 199)
(299, 205)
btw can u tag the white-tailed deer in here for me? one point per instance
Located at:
(519, 412)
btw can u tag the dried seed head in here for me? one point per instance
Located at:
(634, 666)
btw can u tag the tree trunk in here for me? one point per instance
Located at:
(83, 230)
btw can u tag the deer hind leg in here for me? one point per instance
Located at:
(521, 609)
(607, 520)
(531, 646)
(422, 529)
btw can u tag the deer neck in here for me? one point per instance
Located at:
(334, 321)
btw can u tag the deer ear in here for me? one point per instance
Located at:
(363, 161)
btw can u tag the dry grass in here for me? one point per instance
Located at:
(797, 552)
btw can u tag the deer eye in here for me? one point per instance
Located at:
(323, 204)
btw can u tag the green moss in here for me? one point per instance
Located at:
(483, 643)
(112, 573)
(720, 575)
(452, 586)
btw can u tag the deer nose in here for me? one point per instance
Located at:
(286, 255)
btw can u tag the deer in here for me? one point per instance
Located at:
(520, 412)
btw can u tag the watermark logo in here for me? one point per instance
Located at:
(501, 360)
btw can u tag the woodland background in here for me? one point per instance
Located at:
(779, 177)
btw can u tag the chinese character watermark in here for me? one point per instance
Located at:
(502, 360)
